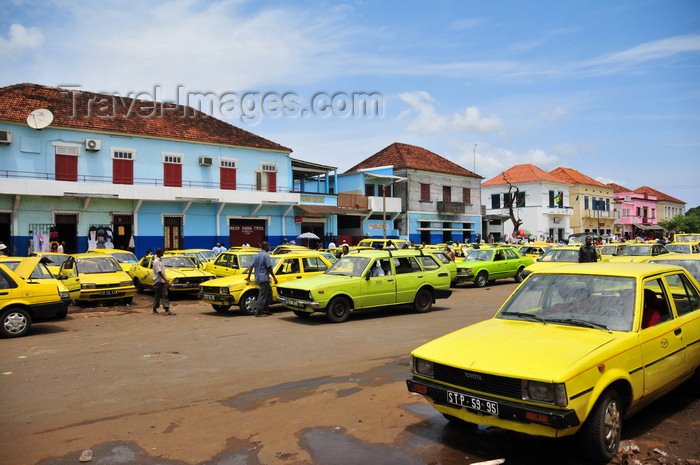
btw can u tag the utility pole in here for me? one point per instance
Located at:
(474, 157)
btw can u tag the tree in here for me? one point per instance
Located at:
(512, 200)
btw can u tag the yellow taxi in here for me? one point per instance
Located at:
(222, 293)
(232, 262)
(687, 238)
(683, 247)
(574, 350)
(203, 258)
(689, 261)
(101, 277)
(638, 252)
(287, 248)
(55, 259)
(558, 256)
(608, 251)
(536, 249)
(125, 258)
(180, 270)
(383, 243)
(69, 288)
(24, 299)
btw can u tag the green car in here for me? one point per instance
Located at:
(484, 265)
(367, 280)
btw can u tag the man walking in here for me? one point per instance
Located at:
(587, 252)
(262, 264)
(160, 284)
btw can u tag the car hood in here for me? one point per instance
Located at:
(104, 278)
(517, 349)
(188, 272)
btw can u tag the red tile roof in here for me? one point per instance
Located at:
(659, 195)
(574, 177)
(618, 189)
(113, 114)
(523, 173)
(413, 157)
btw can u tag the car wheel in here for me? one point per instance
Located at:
(423, 301)
(248, 302)
(221, 308)
(15, 322)
(601, 432)
(481, 279)
(301, 314)
(128, 300)
(138, 286)
(338, 310)
(519, 275)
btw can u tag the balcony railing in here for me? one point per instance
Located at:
(89, 178)
(456, 208)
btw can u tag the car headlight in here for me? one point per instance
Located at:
(551, 393)
(88, 285)
(64, 295)
(125, 283)
(423, 367)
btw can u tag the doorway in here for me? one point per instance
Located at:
(172, 232)
(246, 231)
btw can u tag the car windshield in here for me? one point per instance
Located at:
(608, 249)
(349, 266)
(593, 301)
(208, 254)
(124, 257)
(90, 265)
(636, 251)
(558, 255)
(178, 261)
(56, 260)
(687, 238)
(39, 272)
(678, 248)
(479, 255)
(693, 266)
(247, 260)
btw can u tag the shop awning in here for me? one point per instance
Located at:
(649, 227)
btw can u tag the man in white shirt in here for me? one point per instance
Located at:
(160, 284)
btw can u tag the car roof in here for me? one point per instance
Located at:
(624, 269)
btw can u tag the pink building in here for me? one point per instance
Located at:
(636, 213)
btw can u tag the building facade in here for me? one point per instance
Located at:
(145, 174)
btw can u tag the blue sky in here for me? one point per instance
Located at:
(611, 89)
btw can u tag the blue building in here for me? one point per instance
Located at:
(139, 174)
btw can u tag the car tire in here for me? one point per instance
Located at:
(221, 308)
(301, 314)
(62, 314)
(338, 310)
(423, 301)
(481, 279)
(248, 302)
(128, 300)
(600, 435)
(138, 286)
(15, 322)
(519, 275)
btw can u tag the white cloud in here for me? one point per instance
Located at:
(20, 39)
(572, 150)
(554, 114)
(491, 160)
(426, 119)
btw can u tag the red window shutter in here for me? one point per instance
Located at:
(467, 196)
(425, 192)
(172, 174)
(228, 178)
(66, 168)
(446, 194)
(271, 181)
(122, 171)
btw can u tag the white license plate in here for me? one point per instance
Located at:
(294, 303)
(472, 403)
(109, 292)
(210, 297)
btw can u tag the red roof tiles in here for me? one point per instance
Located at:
(410, 156)
(523, 173)
(572, 176)
(113, 114)
(659, 195)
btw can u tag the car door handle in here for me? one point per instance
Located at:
(678, 331)
(4, 293)
(390, 280)
(298, 277)
(420, 275)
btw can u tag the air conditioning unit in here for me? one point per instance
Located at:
(5, 136)
(93, 144)
(205, 161)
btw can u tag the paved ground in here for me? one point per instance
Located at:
(207, 388)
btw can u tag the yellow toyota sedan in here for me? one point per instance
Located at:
(101, 277)
(180, 270)
(573, 351)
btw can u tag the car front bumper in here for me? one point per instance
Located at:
(508, 412)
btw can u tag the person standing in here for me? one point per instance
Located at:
(160, 284)
(587, 252)
(262, 265)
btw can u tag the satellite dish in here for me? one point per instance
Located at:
(40, 118)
